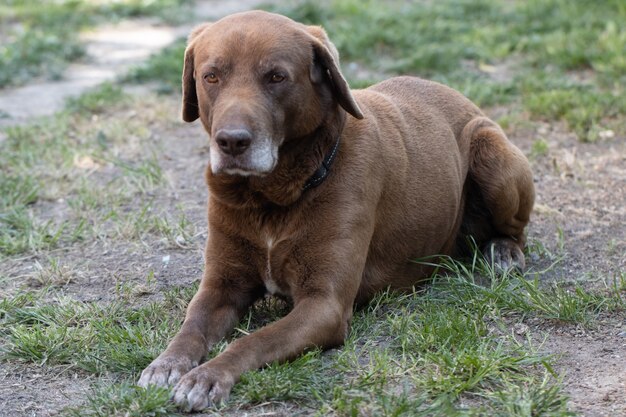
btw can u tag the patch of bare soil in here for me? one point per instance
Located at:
(592, 363)
(580, 210)
(28, 391)
(580, 216)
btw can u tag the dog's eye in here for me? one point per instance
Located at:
(210, 77)
(277, 78)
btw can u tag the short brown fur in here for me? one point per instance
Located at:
(419, 169)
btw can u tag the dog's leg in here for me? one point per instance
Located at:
(210, 316)
(314, 321)
(323, 286)
(505, 187)
(225, 294)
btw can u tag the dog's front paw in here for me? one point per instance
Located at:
(165, 370)
(202, 387)
(505, 254)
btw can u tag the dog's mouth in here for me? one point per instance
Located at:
(235, 168)
(245, 165)
(242, 172)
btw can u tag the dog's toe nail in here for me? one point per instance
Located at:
(180, 398)
(174, 377)
(198, 397)
(159, 379)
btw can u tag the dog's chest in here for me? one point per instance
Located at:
(272, 276)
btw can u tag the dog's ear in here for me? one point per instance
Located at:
(325, 68)
(190, 97)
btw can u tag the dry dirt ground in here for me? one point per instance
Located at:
(580, 215)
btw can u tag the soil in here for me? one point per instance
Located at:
(592, 366)
(579, 218)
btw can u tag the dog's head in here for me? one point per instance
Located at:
(256, 80)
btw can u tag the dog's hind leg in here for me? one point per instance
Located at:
(499, 194)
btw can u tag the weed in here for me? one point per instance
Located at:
(97, 100)
(539, 148)
(164, 68)
(512, 293)
(127, 400)
(178, 297)
(19, 232)
(303, 380)
(560, 239)
(38, 51)
(17, 191)
(583, 109)
(97, 339)
(55, 273)
(540, 399)
(143, 176)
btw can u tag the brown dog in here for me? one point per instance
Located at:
(325, 195)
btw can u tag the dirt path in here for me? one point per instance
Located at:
(110, 51)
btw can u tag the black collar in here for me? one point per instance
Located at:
(322, 172)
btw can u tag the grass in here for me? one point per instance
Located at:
(425, 353)
(554, 59)
(127, 400)
(539, 148)
(92, 338)
(495, 52)
(87, 167)
(73, 178)
(54, 273)
(164, 68)
(97, 100)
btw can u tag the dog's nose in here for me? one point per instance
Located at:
(233, 141)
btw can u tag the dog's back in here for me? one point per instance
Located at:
(413, 128)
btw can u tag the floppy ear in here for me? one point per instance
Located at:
(325, 68)
(190, 97)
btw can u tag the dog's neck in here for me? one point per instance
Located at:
(323, 170)
(299, 160)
